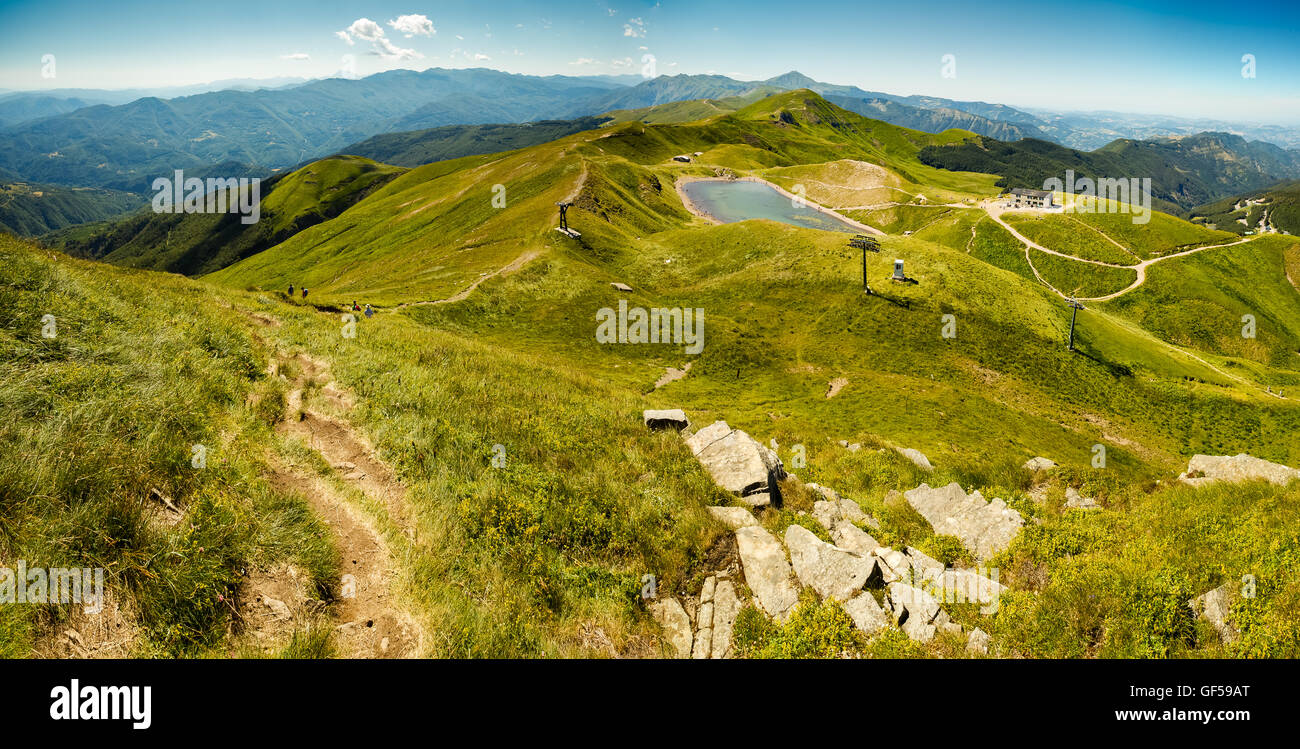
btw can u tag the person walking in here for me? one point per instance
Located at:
(369, 312)
(304, 292)
(290, 291)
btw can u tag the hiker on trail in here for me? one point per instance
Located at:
(355, 308)
(304, 292)
(291, 291)
(369, 312)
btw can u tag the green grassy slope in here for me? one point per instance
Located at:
(1200, 300)
(437, 229)
(140, 368)
(417, 147)
(531, 558)
(194, 244)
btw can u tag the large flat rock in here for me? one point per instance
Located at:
(965, 586)
(737, 462)
(667, 418)
(767, 573)
(677, 625)
(985, 528)
(829, 570)
(1207, 469)
(726, 605)
(917, 612)
(734, 517)
(851, 537)
(866, 614)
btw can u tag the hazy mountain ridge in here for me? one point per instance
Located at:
(1185, 171)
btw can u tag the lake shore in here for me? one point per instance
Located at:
(696, 210)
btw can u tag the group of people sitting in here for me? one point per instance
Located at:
(369, 311)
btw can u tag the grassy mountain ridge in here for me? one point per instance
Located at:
(418, 147)
(193, 244)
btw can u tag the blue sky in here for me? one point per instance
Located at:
(1182, 58)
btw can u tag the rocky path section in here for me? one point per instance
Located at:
(373, 624)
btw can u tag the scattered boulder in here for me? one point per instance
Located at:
(830, 494)
(924, 567)
(829, 570)
(670, 418)
(677, 625)
(726, 605)
(915, 611)
(851, 537)
(892, 564)
(963, 586)
(736, 461)
(978, 642)
(704, 620)
(916, 456)
(767, 572)
(1207, 469)
(1074, 500)
(1214, 607)
(826, 513)
(620, 286)
(735, 517)
(1039, 464)
(757, 500)
(866, 614)
(985, 528)
(852, 512)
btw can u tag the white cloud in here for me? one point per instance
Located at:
(626, 62)
(389, 51)
(296, 56)
(368, 30)
(635, 27)
(412, 25)
(480, 56)
(584, 61)
(364, 28)
(612, 12)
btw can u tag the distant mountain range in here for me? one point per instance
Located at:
(1185, 171)
(125, 145)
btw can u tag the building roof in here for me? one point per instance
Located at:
(1031, 193)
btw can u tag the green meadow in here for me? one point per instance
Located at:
(528, 556)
